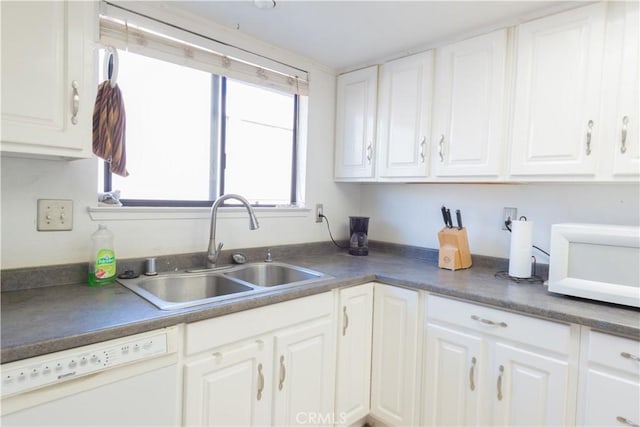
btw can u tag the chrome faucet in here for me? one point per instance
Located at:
(214, 251)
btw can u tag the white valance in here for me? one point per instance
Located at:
(127, 30)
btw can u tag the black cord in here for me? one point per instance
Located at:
(330, 235)
(508, 222)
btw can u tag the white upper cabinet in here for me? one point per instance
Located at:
(404, 115)
(47, 78)
(356, 123)
(469, 107)
(625, 130)
(556, 124)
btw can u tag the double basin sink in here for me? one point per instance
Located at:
(172, 291)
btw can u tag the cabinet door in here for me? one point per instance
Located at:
(230, 386)
(611, 398)
(46, 51)
(404, 112)
(353, 376)
(304, 369)
(627, 128)
(469, 107)
(356, 123)
(395, 359)
(455, 362)
(556, 129)
(529, 388)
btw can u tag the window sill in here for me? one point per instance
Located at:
(107, 213)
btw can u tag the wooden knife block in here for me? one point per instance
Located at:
(454, 249)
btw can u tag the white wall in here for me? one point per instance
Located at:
(24, 181)
(410, 213)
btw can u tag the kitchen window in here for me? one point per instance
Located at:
(192, 135)
(204, 118)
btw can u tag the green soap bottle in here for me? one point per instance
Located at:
(102, 263)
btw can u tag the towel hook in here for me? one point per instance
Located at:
(111, 65)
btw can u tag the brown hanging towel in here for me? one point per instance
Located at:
(109, 125)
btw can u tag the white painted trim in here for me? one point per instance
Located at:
(107, 213)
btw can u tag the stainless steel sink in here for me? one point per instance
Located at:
(171, 291)
(174, 291)
(273, 274)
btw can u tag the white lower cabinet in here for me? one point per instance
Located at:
(353, 365)
(268, 366)
(227, 386)
(303, 374)
(532, 386)
(395, 366)
(399, 357)
(454, 377)
(489, 367)
(610, 378)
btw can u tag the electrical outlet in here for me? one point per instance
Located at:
(509, 214)
(55, 215)
(319, 212)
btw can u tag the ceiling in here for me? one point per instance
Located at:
(344, 34)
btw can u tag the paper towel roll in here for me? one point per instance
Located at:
(521, 249)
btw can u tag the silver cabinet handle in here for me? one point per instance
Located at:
(489, 322)
(369, 153)
(472, 384)
(630, 356)
(260, 381)
(623, 420)
(499, 385)
(423, 142)
(345, 320)
(283, 373)
(589, 130)
(76, 102)
(441, 148)
(623, 136)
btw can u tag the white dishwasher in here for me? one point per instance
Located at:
(130, 381)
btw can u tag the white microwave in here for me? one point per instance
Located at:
(596, 261)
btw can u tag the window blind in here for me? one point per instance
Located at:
(124, 29)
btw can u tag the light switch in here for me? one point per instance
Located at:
(55, 215)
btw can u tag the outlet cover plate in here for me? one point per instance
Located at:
(55, 215)
(508, 213)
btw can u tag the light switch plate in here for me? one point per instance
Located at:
(55, 215)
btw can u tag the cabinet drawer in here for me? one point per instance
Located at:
(614, 352)
(211, 333)
(519, 328)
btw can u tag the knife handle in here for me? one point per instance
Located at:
(449, 222)
(459, 219)
(444, 216)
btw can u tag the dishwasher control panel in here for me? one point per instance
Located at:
(29, 374)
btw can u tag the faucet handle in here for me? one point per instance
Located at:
(268, 258)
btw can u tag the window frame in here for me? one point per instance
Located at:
(218, 144)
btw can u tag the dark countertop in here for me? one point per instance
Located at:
(47, 319)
